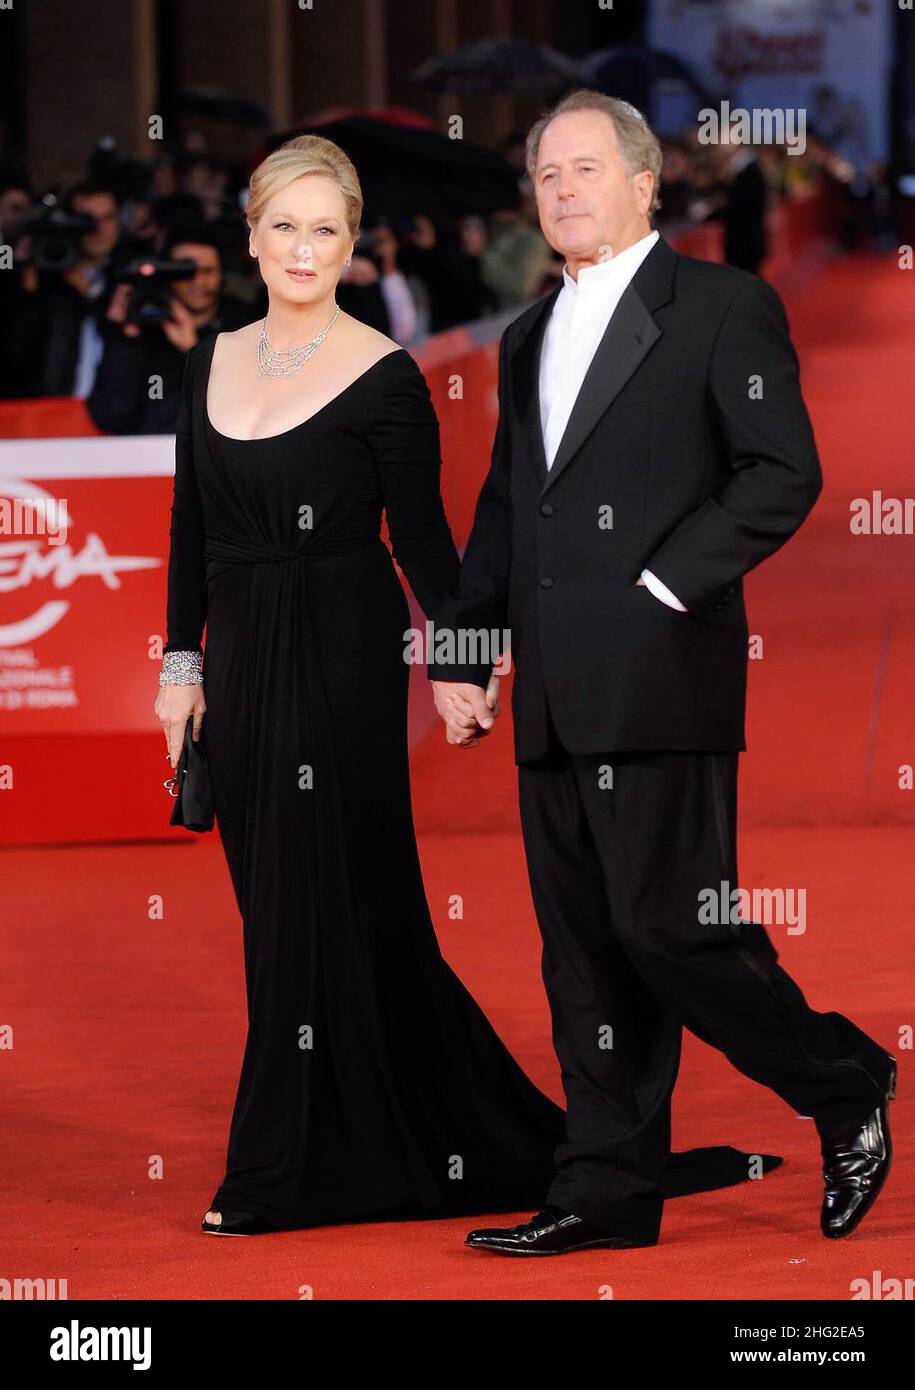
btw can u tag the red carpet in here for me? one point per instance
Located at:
(128, 1028)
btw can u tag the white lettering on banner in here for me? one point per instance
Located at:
(25, 684)
(23, 562)
(64, 565)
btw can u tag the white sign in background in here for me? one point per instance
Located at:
(778, 53)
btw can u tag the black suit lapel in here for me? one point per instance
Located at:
(525, 369)
(630, 335)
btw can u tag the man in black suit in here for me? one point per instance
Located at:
(652, 447)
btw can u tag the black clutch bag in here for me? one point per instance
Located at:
(190, 785)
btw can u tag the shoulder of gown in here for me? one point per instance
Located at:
(402, 424)
(193, 358)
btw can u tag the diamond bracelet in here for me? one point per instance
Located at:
(181, 668)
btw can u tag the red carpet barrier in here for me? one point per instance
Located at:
(82, 612)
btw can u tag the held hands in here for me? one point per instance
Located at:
(468, 711)
(175, 705)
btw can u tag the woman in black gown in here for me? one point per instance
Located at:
(372, 1086)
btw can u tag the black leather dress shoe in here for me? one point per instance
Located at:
(855, 1166)
(551, 1232)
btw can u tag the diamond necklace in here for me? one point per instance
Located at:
(271, 362)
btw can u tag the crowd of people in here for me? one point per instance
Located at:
(111, 281)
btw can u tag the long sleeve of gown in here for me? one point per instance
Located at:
(186, 606)
(405, 446)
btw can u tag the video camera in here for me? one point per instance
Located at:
(151, 287)
(55, 233)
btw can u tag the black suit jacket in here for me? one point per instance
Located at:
(704, 482)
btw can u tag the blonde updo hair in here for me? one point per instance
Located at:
(305, 154)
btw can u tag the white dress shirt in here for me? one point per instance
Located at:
(91, 345)
(581, 313)
(401, 307)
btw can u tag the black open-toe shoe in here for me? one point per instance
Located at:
(236, 1223)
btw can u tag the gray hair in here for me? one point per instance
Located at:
(639, 146)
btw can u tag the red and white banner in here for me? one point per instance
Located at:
(83, 546)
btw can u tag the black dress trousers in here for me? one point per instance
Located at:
(619, 848)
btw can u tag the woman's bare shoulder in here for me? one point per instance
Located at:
(239, 339)
(365, 342)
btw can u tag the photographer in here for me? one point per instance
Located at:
(62, 261)
(152, 321)
(15, 208)
(377, 289)
(445, 263)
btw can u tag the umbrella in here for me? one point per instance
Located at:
(643, 75)
(498, 65)
(394, 115)
(406, 170)
(223, 105)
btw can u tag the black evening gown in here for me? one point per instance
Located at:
(372, 1086)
